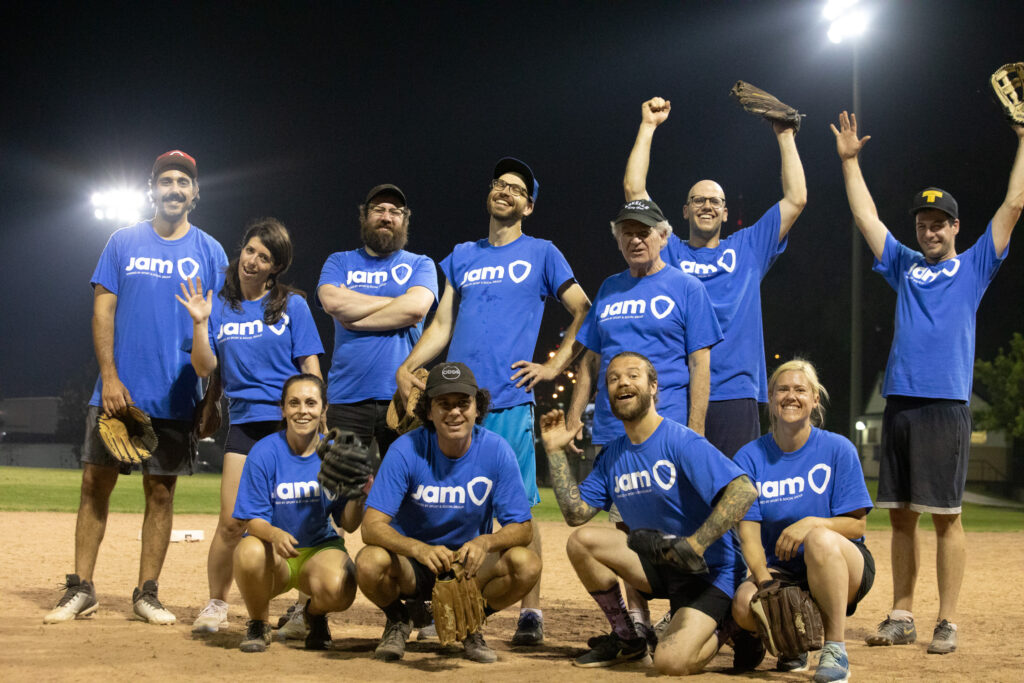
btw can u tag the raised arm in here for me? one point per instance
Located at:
(115, 397)
(567, 492)
(848, 145)
(431, 343)
(794, 184)
(403, 311)
(1009, 212)
(576, 302)
(699, 363)
(733, 502)
(346, 305)
(199, 308)
(653, 113)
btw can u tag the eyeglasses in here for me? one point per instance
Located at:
(717, 202)
(517, 190)
(379, 210)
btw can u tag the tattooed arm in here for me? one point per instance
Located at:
(732, 504)
(555, 436)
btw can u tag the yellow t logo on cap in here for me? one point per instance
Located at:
(931, 195)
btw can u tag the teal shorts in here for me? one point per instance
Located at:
(515, 425)
(295, 563)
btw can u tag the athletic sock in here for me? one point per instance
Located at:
(614, 608)
(841, 644)
(901, 615)
(538, 613)
(640, 616)
(397, 611)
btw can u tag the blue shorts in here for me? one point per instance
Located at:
(515, 425)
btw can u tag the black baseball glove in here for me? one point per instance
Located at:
(347, 464)
(662, 548)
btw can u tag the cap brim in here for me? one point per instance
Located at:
(452, 388)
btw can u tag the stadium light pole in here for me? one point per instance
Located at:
(849, 21)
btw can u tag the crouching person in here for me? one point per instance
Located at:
(291, 542)
(432, 504)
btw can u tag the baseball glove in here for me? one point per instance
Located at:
(1008, 85)
(757, 101)
(661, 548)
(400, 415)
(347, 464)
(788, 620)
(457, 604)
(128, 436)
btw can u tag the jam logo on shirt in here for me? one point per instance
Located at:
(401, 272)
(727, 262)
(478, 490)
(162, 268)
(517, 271)
(663, 474)
(659, 306)
(922, 274)
(251, 329)
(794, 486)
(297, 491)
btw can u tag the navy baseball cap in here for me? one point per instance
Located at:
(175, 159)
(386, 188)
(451, 378)
(643, 210)
(935, 198)
(513, 165)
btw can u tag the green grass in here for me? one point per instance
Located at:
(40, 489)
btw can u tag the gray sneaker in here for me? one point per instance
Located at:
(392, 643)
(79, 601)
(257, 636)
(893, 632)
(477, 650)
(148, 608)
(943, 639)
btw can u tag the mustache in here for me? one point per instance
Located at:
(174, 197)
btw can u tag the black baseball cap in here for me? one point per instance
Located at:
(513, 165)
(643, 210)
(175, 159)
(386, 188)
(935, 198)
(451, 378)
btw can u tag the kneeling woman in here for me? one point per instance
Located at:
(291, 543)
(807, 524)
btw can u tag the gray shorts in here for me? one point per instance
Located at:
(175, 455)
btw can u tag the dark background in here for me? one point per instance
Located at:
(296, 109)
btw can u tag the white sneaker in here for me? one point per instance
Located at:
(428, 631)
(148, 608)
(212, 617)
(295, 628)
(79, 600)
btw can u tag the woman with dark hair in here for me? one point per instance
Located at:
(291, 542)
(807, 525)
(258, 333)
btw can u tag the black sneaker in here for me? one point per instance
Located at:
(79, 601)
(529, 630)
(257, 636)
(788, 665)
(610, 650)
(319, 636)
(392, 644)
(748, 651)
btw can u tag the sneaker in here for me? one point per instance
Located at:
(296, 627)
(833, 665)
(79, 601)
(148, 607)
(610, 650)
(529, 630)
(893, 632)
(477, 650)
(943, 639)
(319, 636)
(427, 632)
(392, 644)
(212, 617)
(286, 617)
(257, 636)
(787, 665)
(748, 651)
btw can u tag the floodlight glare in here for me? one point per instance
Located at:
(834, 8)
(122, 205)
(846, 21)
(860, 426)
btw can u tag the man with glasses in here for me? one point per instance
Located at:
(731, 269)
(498, 286)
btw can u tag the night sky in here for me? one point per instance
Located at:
(296, 109)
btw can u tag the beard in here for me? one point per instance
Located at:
(639, 407)
(383, 242)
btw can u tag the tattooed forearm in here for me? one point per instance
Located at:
(575, 510)
(728, 511)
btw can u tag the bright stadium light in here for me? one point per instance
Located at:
(860, 426)
(122, 205)
(847, 20)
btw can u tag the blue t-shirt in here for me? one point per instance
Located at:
(732, 274)
(665, 316)
(256, 358)
(445, 501)
(145, 271)
(364, 363)
(502, 291)
(281, 487)
(932, 354)
(822, 479)
(669, 482)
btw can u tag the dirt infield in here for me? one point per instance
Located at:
(111, 646)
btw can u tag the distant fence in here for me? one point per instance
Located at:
(57, 455)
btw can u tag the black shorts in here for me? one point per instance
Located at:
(925, 448)
(425, 580)
(241, 437)
(685, 590)
(867, 578)
(366, 419)
(731, 425)
(175, 454)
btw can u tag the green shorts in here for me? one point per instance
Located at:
(295, 563)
